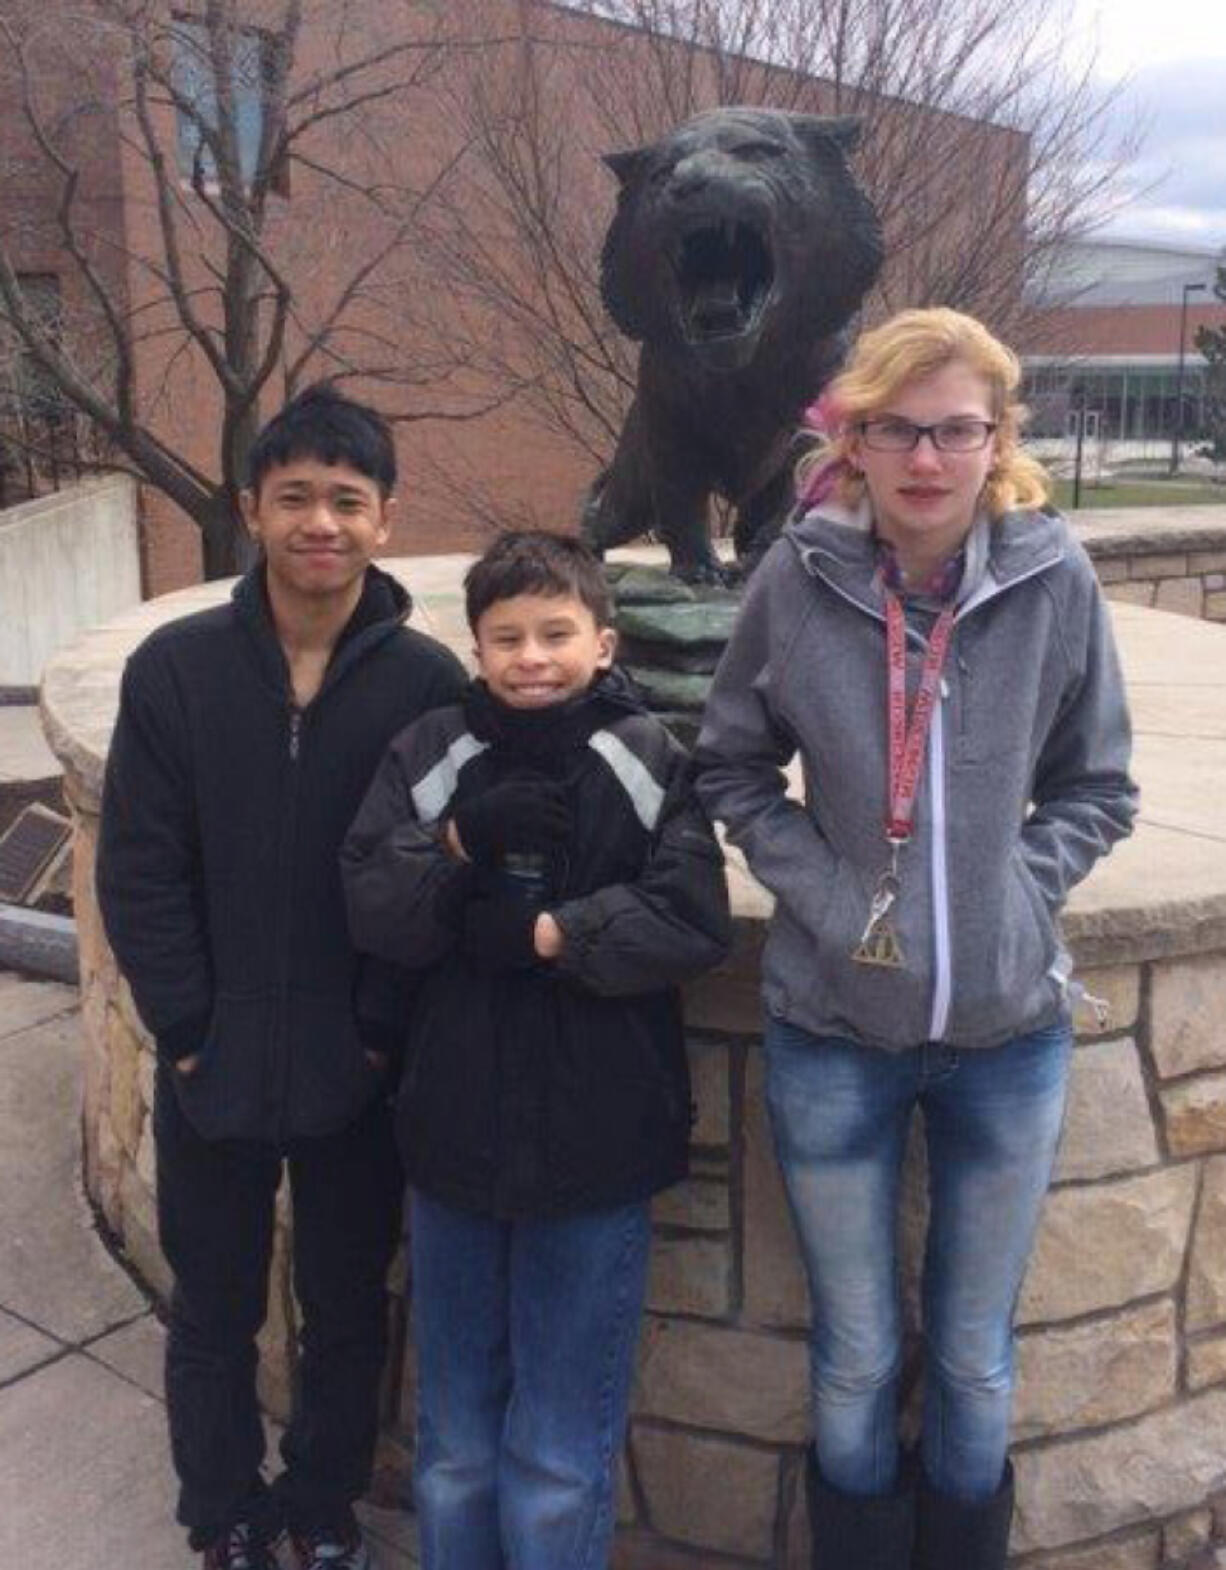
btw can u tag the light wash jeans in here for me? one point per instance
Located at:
(526, 1332)
(840, 1112)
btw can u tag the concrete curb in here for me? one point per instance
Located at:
(38, 944)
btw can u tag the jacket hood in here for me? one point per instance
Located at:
(837, 541)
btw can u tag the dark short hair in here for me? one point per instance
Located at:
(322, 423)
(535, 561)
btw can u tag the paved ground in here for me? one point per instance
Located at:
(84, 1477)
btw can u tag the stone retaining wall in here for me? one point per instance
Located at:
(1174, 562)
(1120, 1417)
(1190, 583)
(67, 561)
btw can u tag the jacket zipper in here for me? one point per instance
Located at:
(942, 966)
(285, 871)
(938, 861)
(289, 829)
(942, 995)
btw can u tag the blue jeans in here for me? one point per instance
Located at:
(840, 1112)
(526, 1332)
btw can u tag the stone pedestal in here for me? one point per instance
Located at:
(1120, 1419)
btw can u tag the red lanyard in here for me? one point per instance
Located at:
(907, 744)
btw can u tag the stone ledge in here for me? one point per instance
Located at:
(1161, 894)
(1125, 1303)
(1110, 532)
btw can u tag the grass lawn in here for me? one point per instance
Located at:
(1143, 493)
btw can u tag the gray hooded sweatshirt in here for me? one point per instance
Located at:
(1025, 782)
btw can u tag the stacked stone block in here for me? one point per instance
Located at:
(1147, 572)
(1120, 1420)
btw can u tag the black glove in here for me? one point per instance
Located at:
(519, 814)
(498, 933)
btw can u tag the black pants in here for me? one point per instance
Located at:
(215, 1215)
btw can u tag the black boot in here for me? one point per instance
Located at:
(951, 1534)
(859, 1531)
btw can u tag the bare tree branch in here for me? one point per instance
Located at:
(215, 109)
(444, 160)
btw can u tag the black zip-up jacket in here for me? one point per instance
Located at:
(222, 815)
(561, 1087)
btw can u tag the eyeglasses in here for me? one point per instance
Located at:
(890, 434)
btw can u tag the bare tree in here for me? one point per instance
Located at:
(1211, 341)
(212, 289)
(440, 243)
(983, 149)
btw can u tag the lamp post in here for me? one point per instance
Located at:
(1079, 414)
(1177, 434)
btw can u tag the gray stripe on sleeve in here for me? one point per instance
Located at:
(646, 795)
(435, 789)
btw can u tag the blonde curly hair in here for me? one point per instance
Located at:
(914, 344)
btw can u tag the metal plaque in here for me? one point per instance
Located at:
(29, 850)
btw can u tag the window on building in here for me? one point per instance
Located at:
(195, 82)
(36, 393)
(35, 416)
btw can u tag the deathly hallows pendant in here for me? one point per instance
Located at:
(878, 943)
(879, 946)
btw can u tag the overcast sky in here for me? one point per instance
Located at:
(1173, 55)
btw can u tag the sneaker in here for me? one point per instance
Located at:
(330, 1551)
(239, 1549)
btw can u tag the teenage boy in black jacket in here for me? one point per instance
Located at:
(246, 737)
(539, 846)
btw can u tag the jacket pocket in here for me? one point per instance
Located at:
(226, 1095)
(617, 1096)
(1008, 980)
(1044, 922)
(812, 980)
(446, 1107)
(327, 1075)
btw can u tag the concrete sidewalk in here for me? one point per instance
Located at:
(85, 1478)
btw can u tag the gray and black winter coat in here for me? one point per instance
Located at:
(1025, 783)
(562, 1087)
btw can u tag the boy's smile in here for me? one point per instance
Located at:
(319, 524)
(539, 649)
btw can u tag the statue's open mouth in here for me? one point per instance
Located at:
(724, 276)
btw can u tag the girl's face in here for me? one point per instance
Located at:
(924, 499)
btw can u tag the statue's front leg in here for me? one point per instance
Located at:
(653, 489)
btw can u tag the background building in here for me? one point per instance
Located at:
(1110, 316)
(437, 220)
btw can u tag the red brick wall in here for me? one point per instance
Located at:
(454, 474)
(1120, 329)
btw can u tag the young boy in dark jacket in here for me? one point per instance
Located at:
(539, 846)
(246, 737)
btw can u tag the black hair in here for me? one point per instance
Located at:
(322, 423)
(535, 561)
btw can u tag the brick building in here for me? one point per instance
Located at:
(1112, 320)
(458, 340)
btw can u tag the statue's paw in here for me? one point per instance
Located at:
(703, 574)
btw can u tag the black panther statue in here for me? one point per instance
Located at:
(741, 247)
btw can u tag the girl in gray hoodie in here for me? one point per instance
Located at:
(936, 651)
